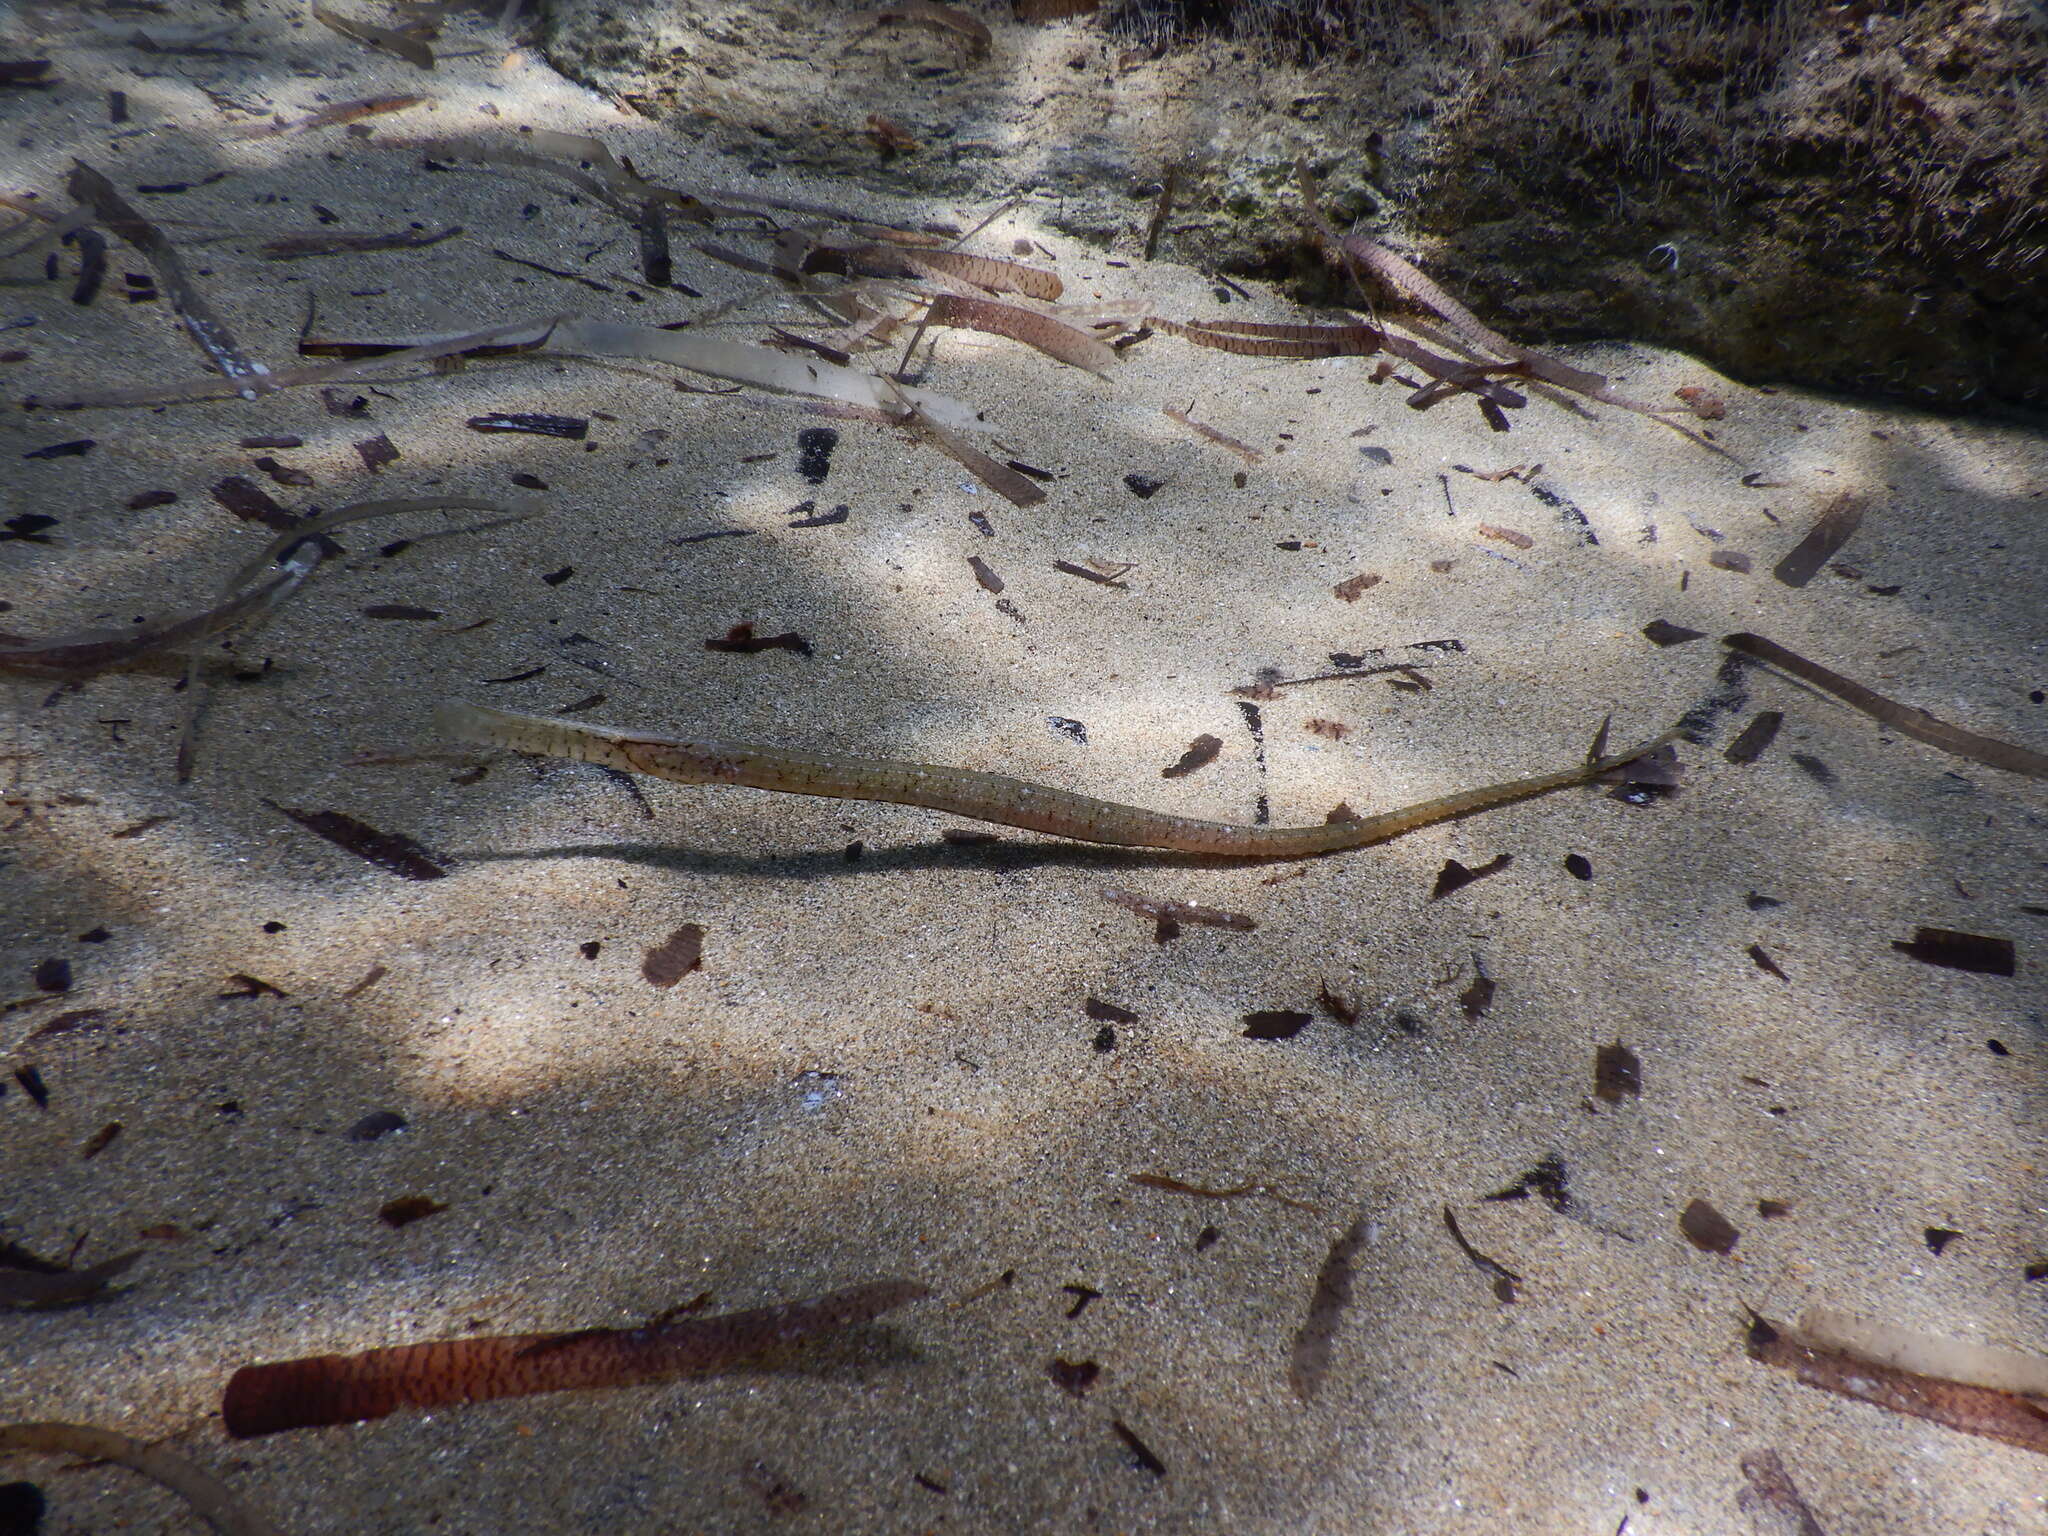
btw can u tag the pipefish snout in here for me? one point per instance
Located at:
(990, 797)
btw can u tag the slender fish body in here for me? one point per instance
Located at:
(991, 797)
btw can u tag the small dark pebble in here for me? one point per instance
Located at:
(1105, 1040)
(52, 974)
(1997, 1047)
(1578, 866)
(70, 450)
(590, 948)
(1938, 1239)
(148, 499)
(1205, 1238)
(1773, 1210)
(1142, 486)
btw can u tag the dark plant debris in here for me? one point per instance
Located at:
(1477, 999)
(535, 424)
(1074, 1377)
(1506, 1283)
(1201, 752)
(1549, 1180)
(1756, 737)
(1916, 723)
(1140, 1452)
(1707, 1229)
(1276, 1024)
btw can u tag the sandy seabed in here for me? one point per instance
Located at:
(904, 1056)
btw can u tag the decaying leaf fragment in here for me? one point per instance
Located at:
(1984, 954)
(1926, 1354)
(1256, 339)
(1200, 753)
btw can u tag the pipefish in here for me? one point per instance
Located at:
(991, 797)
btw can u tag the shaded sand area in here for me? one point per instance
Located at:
(903, 1056)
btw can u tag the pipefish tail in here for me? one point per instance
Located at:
(991, 797)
